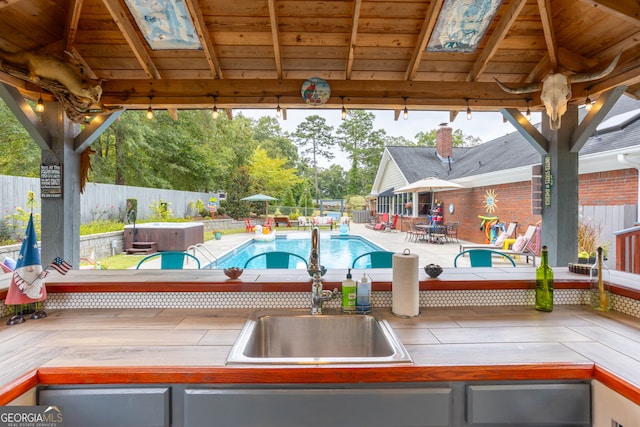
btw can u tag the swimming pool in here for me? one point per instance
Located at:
(336, 251)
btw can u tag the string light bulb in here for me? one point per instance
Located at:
(278, 109)
(405, 112)
(40, 105)
(468, 109)
(587, 103)
(214, 111)
(344, 110)
(528, 113)
(149, 114)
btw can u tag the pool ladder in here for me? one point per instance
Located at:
(212, 260)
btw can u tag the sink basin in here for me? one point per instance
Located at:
(295, 337)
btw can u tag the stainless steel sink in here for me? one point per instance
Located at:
(295, 337)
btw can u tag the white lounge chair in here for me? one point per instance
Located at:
(511, 231)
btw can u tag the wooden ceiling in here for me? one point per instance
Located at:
(257, 53)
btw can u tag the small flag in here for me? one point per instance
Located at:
(60, 265)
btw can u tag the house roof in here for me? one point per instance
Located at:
(621, 130)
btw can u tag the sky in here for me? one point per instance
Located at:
(484, 125)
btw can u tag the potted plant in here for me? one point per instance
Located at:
(588, 237)
(217, 234)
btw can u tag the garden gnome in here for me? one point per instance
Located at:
(27, 283)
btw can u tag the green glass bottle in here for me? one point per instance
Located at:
(600, 291)
(544, 283)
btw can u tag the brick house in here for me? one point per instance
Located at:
(503, 170)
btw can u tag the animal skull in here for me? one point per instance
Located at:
(556, 90)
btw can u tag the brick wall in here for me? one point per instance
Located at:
(609, 188)
(612, 188)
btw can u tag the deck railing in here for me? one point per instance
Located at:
(628, 250)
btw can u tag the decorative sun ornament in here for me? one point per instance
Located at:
(490, 201)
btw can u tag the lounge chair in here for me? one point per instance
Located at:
(277, 259)
(497, 245)
(381, 225)
(391, 226)
(171, 260)
(482, 257)
(302, 222)
(527, 249)
(376, 259)
(248, 226)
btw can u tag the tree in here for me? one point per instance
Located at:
(21, 156)
(364, 147)
(315, 138)
(277, 143)
(458, 139)
(270, 175)
(332, 182)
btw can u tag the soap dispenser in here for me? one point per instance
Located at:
(349, 293)
(363, 297)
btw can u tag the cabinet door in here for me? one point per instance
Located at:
(318, 407)
(110, 406)
(529, 405)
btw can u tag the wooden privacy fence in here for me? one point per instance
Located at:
(102, 201)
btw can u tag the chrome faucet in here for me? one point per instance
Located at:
(318, 295)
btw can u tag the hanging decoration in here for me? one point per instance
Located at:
(490, 201)
(315, 91)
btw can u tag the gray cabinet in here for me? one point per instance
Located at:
(311, 407)
(529, 405)
(105, 406)
(442, 404)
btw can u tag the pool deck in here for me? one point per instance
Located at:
(429, 253)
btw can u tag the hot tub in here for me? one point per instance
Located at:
(170, 236)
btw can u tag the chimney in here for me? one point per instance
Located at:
(444, 141)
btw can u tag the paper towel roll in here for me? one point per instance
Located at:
(404, 286)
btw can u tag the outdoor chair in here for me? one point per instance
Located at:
(499, 242)
(452, 231)
(248, 226)
(171, 260)
(381, 225)
(376, 259)
(303, 223)
(392, 226)
(418, 233)
(482, 257)
(277, 259)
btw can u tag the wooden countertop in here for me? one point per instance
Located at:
(446, 344)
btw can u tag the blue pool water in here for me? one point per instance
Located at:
(336, 251)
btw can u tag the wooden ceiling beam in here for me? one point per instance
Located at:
(544, 6)
(275, 36)
(494, 40)
(71, 27)
(129, 33)
(203, 34)
(354, 36)
(623, 9)
(264, 93)
(425, 34)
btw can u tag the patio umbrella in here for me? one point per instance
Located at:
(427, 184)
(260, 198)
